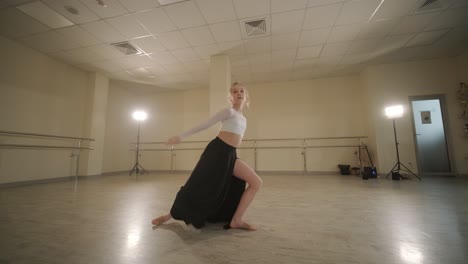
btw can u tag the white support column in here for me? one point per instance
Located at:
(95, 124)
(220, 82)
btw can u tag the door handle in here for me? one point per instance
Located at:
(418, 134)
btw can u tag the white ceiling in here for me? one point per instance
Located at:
(306, 40)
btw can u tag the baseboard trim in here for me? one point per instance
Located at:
(114, 173)
(312, 173)
(32, 182)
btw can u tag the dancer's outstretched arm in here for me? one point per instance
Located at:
(219, 116)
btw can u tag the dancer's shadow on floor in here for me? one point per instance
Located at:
(192, 235)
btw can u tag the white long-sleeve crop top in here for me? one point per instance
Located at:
(232, 121)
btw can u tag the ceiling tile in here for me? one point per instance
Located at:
(78, 35)
(287, 22)
(198, 36)
(392, 43)
(285, 41)
(49, 42)
(241, 70)
(156, 21)
(172, 40)
(226, 31)
(103, 31)
(45, 15)
(323, 16)
(138, 72)
(14, 23)
(344, 33)
(83, 55)
(363, 46)
(107, 65)
(113, 8)
(314, 37)
(140, 5)
(413, 24)
(185, 55)
(106, 51)
(259, 59)
(258, 45)
(197, 66)
(357, 11)
(251, 8)
(156, 69)
(260, 68)
(426, 38)
(303, 64)
(309, 52)
(206, 51)
(175, 68)
(302, 75)
(454, 43)
(353, 59)
(135, 61)
(284, 66)
(232, 47)
(335, 49)
(282, 56)
(185, 14)
(9, 3)
(329, 60)
(239, 61)
(84, 15)
(376, 29)
(281, 5)
(62, 56)
(395, 8)
(449, 18)
(148, 44)
(164, 57)
(314, 3)
(459, 3)
(128, 26)
(216, 11)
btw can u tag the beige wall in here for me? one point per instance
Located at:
(329, 107)
(394, 84)
(462, 149)
(38, 95)
(41, 95)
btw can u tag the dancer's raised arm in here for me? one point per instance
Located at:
(218, 117)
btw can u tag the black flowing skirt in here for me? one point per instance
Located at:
(212, 193)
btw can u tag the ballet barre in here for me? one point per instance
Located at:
(303, 141)
(77, 148)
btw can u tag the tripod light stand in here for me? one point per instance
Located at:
(394, 112)
(139, 116)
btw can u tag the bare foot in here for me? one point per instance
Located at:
(241, 225)
(161, 220)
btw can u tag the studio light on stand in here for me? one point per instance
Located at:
(140, 117)
(394, 112)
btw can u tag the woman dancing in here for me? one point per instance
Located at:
(215, 191)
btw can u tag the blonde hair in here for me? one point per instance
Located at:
(247, 98)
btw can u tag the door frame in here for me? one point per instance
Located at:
(446, 124)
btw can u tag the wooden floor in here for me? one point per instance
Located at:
(313, 219)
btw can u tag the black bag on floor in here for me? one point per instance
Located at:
(369, 172)
(344, 169)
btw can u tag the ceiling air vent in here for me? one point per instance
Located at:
(257, 27)
(126, 48)
(429, 5)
